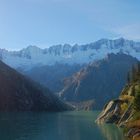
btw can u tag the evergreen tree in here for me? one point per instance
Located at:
(128, 78)
(134, 73)
(137, 101)
(139, 66)
(139, 70)
(133, 91)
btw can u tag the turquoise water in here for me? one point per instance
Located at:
(56, 126)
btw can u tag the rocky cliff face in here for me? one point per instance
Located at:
(18, 93)
(125, 111)
(100, 81)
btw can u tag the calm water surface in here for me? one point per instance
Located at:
(56, 126)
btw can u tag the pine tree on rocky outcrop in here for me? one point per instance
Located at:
(138, 68)
(133, 91)
(128, 78)
(135, 73)
(137, 101)
(133, 77)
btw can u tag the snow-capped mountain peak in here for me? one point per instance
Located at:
(76, 54)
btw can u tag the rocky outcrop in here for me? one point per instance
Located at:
(111, 112)
(133, 133)
(125, 111)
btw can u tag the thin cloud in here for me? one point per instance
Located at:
(129, 31)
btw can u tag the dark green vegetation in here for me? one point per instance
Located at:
(137, 101)
(125, 111)
(19, 93)
(99, 81)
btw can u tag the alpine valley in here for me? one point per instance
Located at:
(78, 73)
(38, 85)
(69, 69)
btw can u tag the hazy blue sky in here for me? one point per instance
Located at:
(47, 22)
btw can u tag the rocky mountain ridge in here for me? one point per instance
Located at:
(66, 54)
(101, 80)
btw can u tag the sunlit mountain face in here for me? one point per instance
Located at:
(32, 56)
